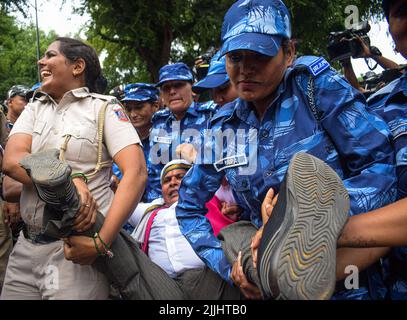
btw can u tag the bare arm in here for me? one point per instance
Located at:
(384, 62)
(350, 75)
(384, 227)
(362, 258)
(18, 147)
(132, 164)
(11, 189)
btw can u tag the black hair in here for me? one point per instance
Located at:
(285, 44)
(73, 50)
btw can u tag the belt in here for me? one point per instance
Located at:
(36, 237)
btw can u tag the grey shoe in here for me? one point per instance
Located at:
(297, 255)
(52, 180)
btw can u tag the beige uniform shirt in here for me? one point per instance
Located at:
(77, 115)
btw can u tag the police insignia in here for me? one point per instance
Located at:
(121, 115)
(318, 66)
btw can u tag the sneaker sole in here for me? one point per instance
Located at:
(46, 169)
(299, 262)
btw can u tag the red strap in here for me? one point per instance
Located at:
(144, 247)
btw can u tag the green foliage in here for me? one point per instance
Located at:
(141, 36)
(11, 5)
(313, 20)
(138, 37)
(18, 53)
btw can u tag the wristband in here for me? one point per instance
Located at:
(100, 253)
(79, 175)
(108, 252)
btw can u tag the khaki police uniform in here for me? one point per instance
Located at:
(49, 124)
(6, 242)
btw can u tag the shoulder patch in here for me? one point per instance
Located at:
(314, 65)
(208, 106)
(121, 115)
(318, 66)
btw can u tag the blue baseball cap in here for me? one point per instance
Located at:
(140, 92)
(176, 71)
(216, 76)
(256, 25)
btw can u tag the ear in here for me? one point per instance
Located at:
(290, 53)
(79, 67)
(155, 106)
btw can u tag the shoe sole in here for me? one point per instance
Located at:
(46, 169)
(299, 262)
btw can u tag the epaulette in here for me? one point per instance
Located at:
(161, 114)
(314, 65)
(103, 97)
(208, 106)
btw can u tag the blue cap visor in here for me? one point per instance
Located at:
(210, 82)
(135, 97)
(268, 45)
(174, 78)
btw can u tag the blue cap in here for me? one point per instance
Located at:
(35, 86)
(257, 25)
(216, 76)
(141, 92)
(176, 71)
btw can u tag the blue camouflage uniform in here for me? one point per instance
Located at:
(140, 92)
(167, 133)
(313, 110)
(337, 129)
(390, 103)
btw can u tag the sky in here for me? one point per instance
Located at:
(51, 15)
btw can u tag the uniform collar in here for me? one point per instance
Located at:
(79, 93)
(190, 111)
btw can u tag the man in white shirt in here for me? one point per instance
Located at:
(157, 231)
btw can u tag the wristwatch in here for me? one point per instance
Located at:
(375, 51)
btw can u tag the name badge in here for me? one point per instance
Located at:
(164, 140)
(231, 162)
